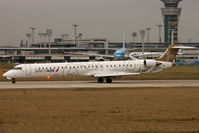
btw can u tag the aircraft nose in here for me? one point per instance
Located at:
(5, 74)
(8, 74)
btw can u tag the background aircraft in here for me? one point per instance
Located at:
(123, 52)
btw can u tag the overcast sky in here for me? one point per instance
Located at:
(96, 18)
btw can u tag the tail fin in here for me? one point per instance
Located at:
(123, 40)
(170, 54)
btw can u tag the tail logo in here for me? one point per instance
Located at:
(169, 56)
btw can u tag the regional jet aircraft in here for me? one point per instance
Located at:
(100, 70)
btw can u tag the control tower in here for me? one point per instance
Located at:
(171, 15)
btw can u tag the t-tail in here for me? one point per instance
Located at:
(171, 52)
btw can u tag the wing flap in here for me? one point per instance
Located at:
(114, 74)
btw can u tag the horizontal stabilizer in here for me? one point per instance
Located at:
(184, 47)
(171, 52)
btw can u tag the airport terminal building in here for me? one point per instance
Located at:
(62, 51)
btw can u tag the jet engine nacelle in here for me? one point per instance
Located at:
(149, 63)
(101, 59)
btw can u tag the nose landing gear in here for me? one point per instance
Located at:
(13, 81)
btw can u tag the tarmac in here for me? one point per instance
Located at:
(94, 84)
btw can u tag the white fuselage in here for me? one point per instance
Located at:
(86, 68)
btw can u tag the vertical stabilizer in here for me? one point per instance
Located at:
(170, 54)
(123, 40)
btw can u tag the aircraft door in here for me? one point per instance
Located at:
(100, 67)
(28, 70)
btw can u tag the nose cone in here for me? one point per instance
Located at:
(8, 75)
(5, 74)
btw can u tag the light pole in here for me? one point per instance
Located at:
(45, 35)
(160, 31)
(148, 36)
(79, 39)
(75, 32)
(142, 33)
(49, 34)
(40, 35)
(28, 35)
(134, 34)
(32, 28)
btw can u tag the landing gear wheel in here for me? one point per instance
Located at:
(108, 80)
(13, 81)
(100, 80)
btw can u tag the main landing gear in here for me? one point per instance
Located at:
(101, 80)
(13, 81)
(108, 80)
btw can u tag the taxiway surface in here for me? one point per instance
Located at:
(94, 84)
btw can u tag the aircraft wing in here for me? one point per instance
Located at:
(113, 74)
(89, 54)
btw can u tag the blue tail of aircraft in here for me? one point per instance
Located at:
(119, 54)
(123, 40)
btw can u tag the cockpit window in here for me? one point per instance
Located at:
(17, 68)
